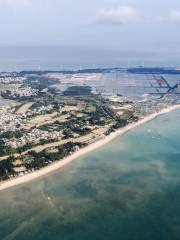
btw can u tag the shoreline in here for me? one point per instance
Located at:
(61, 163)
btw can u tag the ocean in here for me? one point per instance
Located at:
(74, 58)
(128, 190)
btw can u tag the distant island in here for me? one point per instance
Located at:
(55, 116)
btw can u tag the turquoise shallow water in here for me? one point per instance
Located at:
(127, 190)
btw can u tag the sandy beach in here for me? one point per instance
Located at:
(90, 148)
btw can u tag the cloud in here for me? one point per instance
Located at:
(116, 16)
(175, 15)
(172, 16)
(126, 14)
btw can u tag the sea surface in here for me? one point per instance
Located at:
(126, 190)
(74, 58)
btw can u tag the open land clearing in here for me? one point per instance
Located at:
(24, 108)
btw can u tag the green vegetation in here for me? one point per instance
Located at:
(6, 168)
(39, 82)
(78, 113)
(44, 158)
(9, 134)
(77, 91)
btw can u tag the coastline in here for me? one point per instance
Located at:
(61, 163)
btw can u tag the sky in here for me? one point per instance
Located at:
(107, 24)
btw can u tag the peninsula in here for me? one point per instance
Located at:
(54, 117)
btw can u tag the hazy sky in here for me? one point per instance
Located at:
(121, 24)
